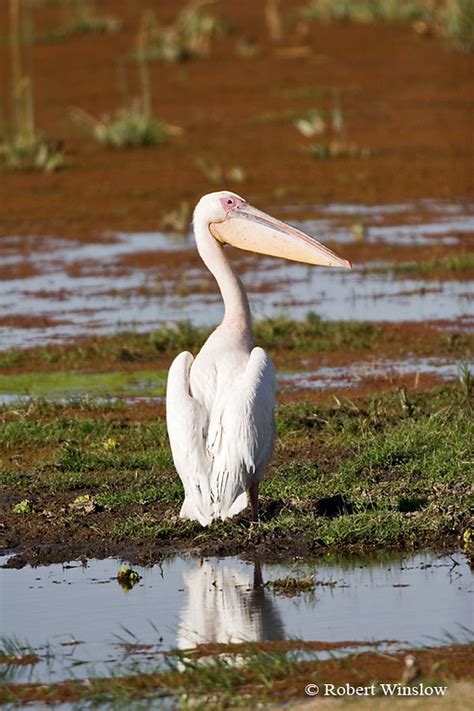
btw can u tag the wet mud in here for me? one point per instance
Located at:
(83, 254)
(417, 126)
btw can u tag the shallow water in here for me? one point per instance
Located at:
(79, 619)
(87, 288)
(150, 386)
(354, 374)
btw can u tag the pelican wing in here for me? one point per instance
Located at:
(241, 433)
(187, 429)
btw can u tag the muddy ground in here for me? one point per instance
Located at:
(383, 470)
(284, 681)
(405, 97)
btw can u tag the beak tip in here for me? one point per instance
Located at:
(341, 263)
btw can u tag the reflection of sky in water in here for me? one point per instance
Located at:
(353, 374)
(214, 600)
(109, 297)
(317, 378)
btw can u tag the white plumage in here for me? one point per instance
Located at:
(223, 443)
(220, 405)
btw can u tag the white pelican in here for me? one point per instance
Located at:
(220, 405)
(225, 606)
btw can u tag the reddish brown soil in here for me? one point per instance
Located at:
(365, 388)
(442, 339)
(437, 666)
(408, 98)
(30, 321)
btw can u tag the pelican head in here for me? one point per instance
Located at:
(231, 220)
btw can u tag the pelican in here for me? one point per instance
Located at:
(220, 405)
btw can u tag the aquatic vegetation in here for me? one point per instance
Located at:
(22, 146)
(188, 37)
(215, 173)
(83, 18)
(127, 127)
(451, 264)
(291, 586)
(16, 651)
(128, 578)
(132, 125)
(336, 145)
(457, 23)
(177, 220)
(337, 149)
(23, 151)
(362, 10)
(453, 19)
(245, 676)
(279, 334)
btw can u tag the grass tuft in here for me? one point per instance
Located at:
(188, 37)
(84, 18)
(343, 476)
(291, 586)
(128, 127)
(453, 19)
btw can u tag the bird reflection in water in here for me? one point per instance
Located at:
(227, 605)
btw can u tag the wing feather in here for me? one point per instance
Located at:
(187, 421)
(241, 434)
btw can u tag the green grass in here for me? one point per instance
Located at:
(67, 384)
(458, 24)
(291, 586)
(31, 152)
(84, 18)
(342, 475)
(22, 145)
(453, 19)
(128, 127)
(273, 334)
(251, 675)
(188, 37)
(450, 265)
(363, 10)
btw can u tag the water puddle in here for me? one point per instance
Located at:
(81, 622)
(150, 386)
(422, 223)
(52, 290)
(66, 385)
(352, 375)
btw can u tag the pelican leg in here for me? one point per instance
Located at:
(253, 490)
(257, 576)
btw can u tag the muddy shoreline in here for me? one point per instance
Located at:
(380, 472)
(150, 552)
(417, 125)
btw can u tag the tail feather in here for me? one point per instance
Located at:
(228, 494)
(190, 510)
(240, 503)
